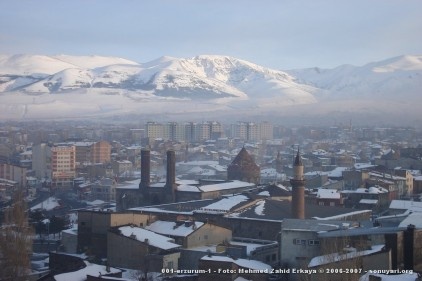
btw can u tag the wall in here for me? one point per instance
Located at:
(126, 252)
(294, 255)
(94, 225)
(208, 234)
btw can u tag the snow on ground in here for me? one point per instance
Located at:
(48, 204)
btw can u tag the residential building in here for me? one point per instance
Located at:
(94, 225)
(63, 164)
(13, 173)
(148, 251)
(104, 189)
(100, 152)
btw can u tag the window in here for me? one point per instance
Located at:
(313, 242)
(299, 242)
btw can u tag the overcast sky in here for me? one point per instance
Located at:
(281, 34)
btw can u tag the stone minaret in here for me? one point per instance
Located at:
(171, 174)
(145, 168)
(298, 189)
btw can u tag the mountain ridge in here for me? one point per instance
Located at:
(99, 86)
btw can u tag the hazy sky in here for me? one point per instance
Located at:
(281, 34)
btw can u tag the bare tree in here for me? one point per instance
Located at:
(15, 241)
(340, 259)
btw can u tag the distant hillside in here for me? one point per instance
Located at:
(36, 86)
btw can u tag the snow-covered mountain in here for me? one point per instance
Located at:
(34, 86)
(198, 77)
(396, 78)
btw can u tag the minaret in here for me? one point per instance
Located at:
(298, 189)
(171, 174)
(145, 168)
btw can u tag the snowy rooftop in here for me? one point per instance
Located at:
(336, 257)
(90, 269)
(368, 201)
(173, 228)
(372, 190)
(392, 277)
(413, 218)
(48, 204)
(152, 238)
(328, 193)
(313, 225)
(129, 184)
(251, 264)
(337, 172)
(226, 185)
(406, 205)
(197, 163)
(361, 166)
(224, 205)
(187, 182)
(188, 188)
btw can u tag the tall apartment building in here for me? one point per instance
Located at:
(251, 131)
(100, 152)
(62, 159)
(191, 135)
(13, 173)
(189, 131)
(82, 152)
(154, 130)
(92, 152)
(39, 160)
(55, 162)
(174, 131)
(266, 131)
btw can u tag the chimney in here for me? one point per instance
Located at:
(171, 172)
(408, 247)
(298, 189)
(145, 168)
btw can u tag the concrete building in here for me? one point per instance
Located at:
(39, 160)
(13, 173)
(121, 167)
(191, 234)
(137, 248)
(100, 152)
(63, 164)
(228, 269)
(103, 189)
(93, 227)
(92, 152)
(300, 241)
